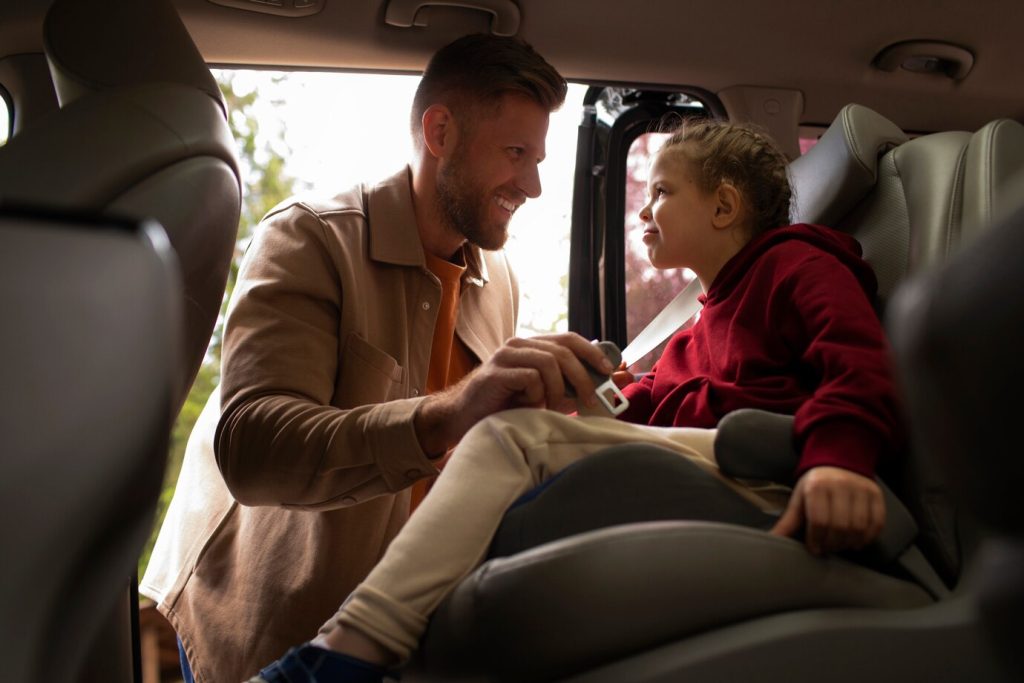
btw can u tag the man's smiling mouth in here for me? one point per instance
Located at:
(506, 204)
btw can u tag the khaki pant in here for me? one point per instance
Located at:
(497, 461)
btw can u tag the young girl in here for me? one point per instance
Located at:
(787, 326)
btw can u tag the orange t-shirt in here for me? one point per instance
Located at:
(450, 360)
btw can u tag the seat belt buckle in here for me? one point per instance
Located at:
(608, 394)
(611, 397)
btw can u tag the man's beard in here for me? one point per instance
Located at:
(464, 205)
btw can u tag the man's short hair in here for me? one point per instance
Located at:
(478, 69)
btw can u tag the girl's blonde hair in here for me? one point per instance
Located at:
(739, 154)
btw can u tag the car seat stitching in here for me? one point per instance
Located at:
(850, 133)
(988, 191)
(906, 205)
(954, 227)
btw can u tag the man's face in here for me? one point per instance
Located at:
(492, 169)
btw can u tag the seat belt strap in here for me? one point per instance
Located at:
(678, 312)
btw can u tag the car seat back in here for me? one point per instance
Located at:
(930, 196)
(958, 337)
(663, 600)
(90, 359)
(141, 131)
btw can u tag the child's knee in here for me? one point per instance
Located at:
(515, 429)
(535, 418)
(499, 426)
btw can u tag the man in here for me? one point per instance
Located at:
(348, 364)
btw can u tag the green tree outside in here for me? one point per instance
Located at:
(265, 182)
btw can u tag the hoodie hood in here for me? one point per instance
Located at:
(839, 244)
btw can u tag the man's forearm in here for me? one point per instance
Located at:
(436, 423)
(280, 450)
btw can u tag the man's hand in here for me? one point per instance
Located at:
(522, 373)
(839, 509)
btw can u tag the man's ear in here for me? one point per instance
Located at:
(438, 130)
(728, 205)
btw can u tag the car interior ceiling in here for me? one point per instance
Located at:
(811, 61)
(823, 50)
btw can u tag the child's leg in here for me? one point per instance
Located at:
(623, 484)
(448, 536)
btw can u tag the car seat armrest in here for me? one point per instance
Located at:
(757, 444)
(897, 535)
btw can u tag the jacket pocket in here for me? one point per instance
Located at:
(366, 374)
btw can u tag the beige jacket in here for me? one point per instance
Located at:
(324, 362)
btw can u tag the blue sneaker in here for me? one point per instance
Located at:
(310, 664)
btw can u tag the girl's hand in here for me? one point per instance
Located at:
(839, 510)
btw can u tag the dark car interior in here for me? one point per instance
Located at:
(120, 183)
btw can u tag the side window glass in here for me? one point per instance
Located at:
(5, 118)
(809, 136)
(648, 290)
(538, 244)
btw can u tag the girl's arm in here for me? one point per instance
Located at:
(851, 419)
(837, 508)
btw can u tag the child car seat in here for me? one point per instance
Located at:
(668, 601)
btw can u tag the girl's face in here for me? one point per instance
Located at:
(677, 215)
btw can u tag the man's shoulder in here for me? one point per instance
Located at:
(305, 223)
(352, 202)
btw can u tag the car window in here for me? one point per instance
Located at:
(323, 132)
(809, 136)
(319, 133)
(5, 117)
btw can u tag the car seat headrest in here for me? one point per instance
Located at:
(135, 43)
(837, 172)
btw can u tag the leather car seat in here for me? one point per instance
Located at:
(665, 601)
(91, 361)
(958, 336)
(141, 132)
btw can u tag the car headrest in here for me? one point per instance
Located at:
(150, 33)
(995, 157)
(837, 172)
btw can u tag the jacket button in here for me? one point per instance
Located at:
(426, 305)
(348, 500)
(412, 474)
(415, 392)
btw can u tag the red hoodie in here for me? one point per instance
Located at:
(787, 326)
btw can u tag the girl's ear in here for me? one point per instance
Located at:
(727, 206)
(438, 130)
